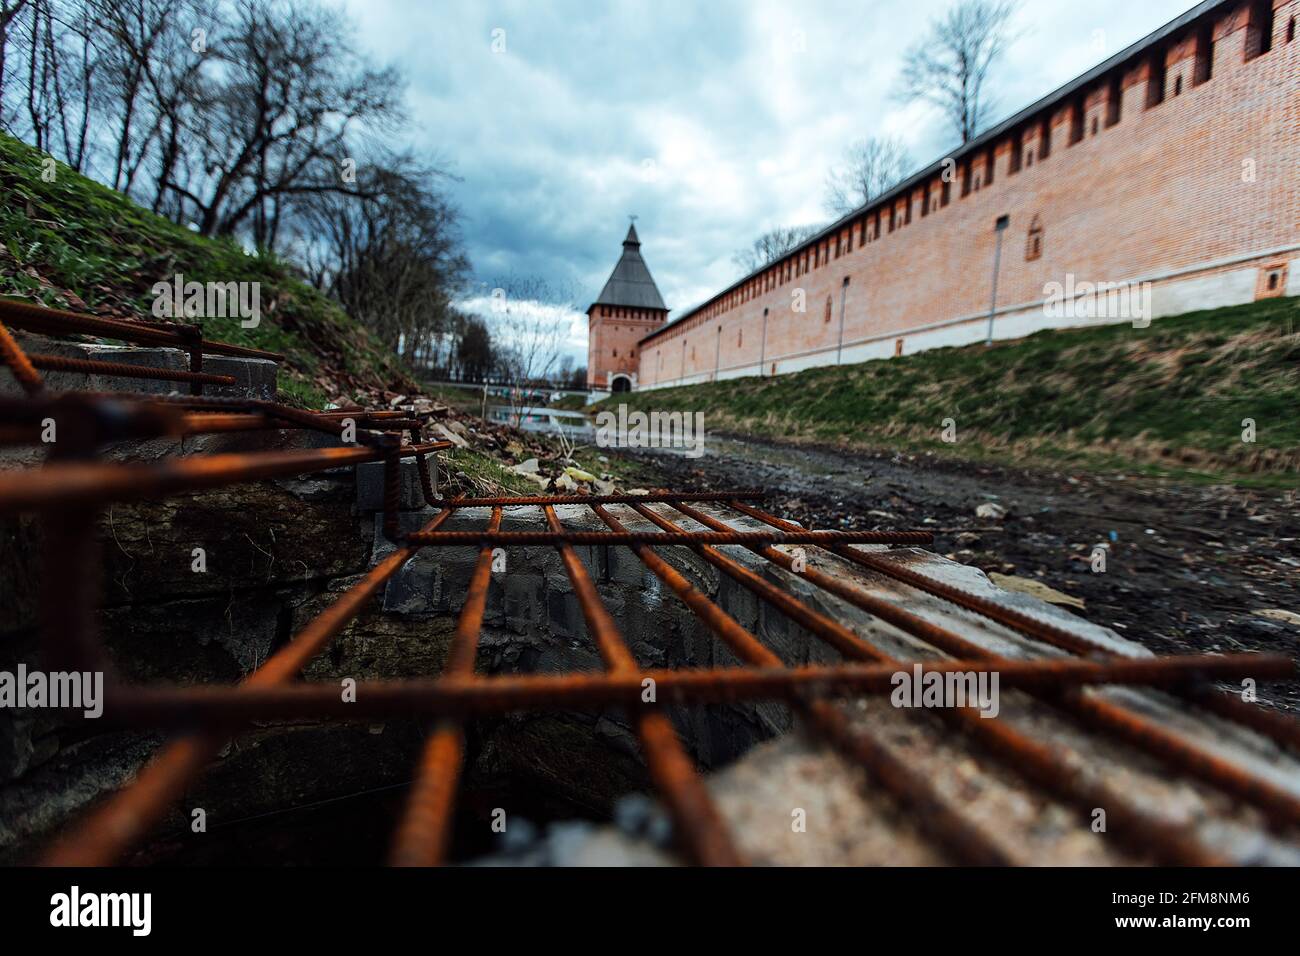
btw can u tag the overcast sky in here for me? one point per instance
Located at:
(711, 121)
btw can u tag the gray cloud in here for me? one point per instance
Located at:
(711, 122)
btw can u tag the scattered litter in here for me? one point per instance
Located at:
(448, 435)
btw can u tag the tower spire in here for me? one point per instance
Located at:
(630, 284)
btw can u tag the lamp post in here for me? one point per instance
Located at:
(999, 228)
(844, 294)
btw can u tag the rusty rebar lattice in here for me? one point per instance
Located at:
(423, 835)
(70, 490)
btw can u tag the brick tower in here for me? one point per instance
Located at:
(627, 309)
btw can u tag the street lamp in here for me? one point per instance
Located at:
(999, 228)
(844, 294)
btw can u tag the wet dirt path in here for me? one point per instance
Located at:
(1187, 568)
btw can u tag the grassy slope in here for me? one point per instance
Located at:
(1167, 399)
(74, 241)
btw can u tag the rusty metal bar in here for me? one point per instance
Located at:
(493, 696)
(428, 478)
(650, 497)
(206, 423)
(695, 818)
(200, 408)
(1038, 762)
(38, 318)
(425, 831)
(1281, 729)
(662, 538)
(13, 356)
(59, 363)
(57, 485)
(832, 632)
(127, 817)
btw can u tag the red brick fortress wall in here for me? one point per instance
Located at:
(1179, 167)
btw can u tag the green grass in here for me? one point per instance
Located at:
(571, 403)
(73, 237)
(1167, 400)
(463, 398)
(487, 473)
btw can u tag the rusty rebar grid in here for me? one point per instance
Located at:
(1282, 730)
(1040, 764)
(1124, 722)
(461, 695)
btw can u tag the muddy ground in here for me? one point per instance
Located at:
(1187, 568)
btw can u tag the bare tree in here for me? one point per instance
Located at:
(950, 66)
(29, 31)
(249, 118)
(529, 317)
(9, 12)
(871, 166)
(241, 108)
(388, 252)
(57, 46)
(771, 245)
(276, 120)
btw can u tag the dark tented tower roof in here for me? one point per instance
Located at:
(630, 283)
